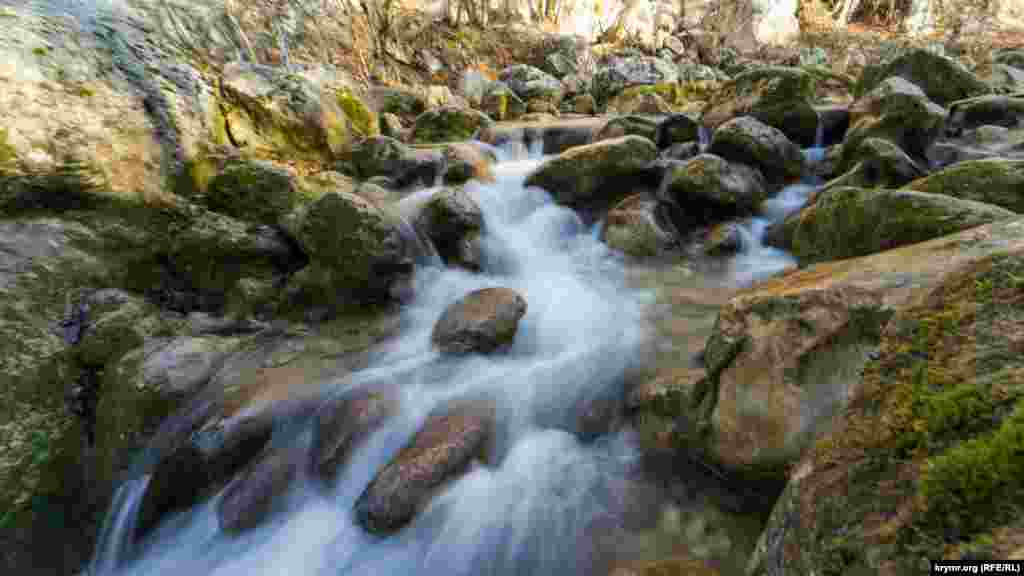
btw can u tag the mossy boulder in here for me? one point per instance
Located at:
(530, 83)
(255, 191)
(620, 73)
(879, 164)
(676, 129)
(363, 119)
(898, 111)
(708, 189)
(501, 103)
(116, 323)
(923, 463)
(271, 111)
(631, 125)
(845, 222)
(452, 220)
(258, 492)
(647, 99)
(448, 124)
(1007, 111)
(780, 97)
(465, 161)
(356, 249)
(724, 239)
(942, 79)
(1009, 57)
(404, 165)
(994, 181)
(749, 141)
(590, 173)
(636, 226)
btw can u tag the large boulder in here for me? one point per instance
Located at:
(385, 156)
(453, 222)
(786, 356)
(448, 124)
(482, 321)
(942, 79)
(268, 110)
(589, 173)
(532, 84)
(879, 163)
(637, 227)
(255, 191)
(502, 103)
(777, 96)
(898, 111)
(995, 181)
(924, 455)
(969, 114)
(846, 222)
(443, 449)
(467, 161)
(356, 250)
(630, 125)
(707, 189)
(676, 129)
(620, 73)
(749, 141)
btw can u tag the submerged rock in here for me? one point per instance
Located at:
(482, 321)
(341, 424)
(253, 497)
(443, 449)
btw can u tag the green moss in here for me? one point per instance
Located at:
(362, 118)
(7, 152)
(448, 125)
(40, 51)
(995, 181)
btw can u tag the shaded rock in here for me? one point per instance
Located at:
(635, 227)
(724, 239)
(448, 124)
(482, 321)
(1006, 79)
(356, 249)
(940, 397)
(942, 79)
(994, 181)
(405, 103)
(500, 102)
(897, 111)
(117, 322)
(777, 96)
(707, 188)
(676, 129)
(748, 141)
(384, 156)
(252, 498)
(255, 191)
(530, 83)
(342, 423)
(269, 109)
(681, 151)
(833, 122)
(586, 174)
(443, 449)
(1004, 111)
(632, 125)
(846, 222)
(881, 164)
(450, 219)
(466, 161)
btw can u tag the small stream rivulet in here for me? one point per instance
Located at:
(547, 503)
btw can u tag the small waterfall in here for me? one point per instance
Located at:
(116, 540)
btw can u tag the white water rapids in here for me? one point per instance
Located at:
(548, 504)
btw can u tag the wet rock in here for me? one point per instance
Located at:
(994, 181)
(342, 423)
(942, 79)
(897, 111)
(450, 219)
(724, 239)
(501, 103)
(708, 189)
(531, 83)
(442, 450)
(588, 173)
(748, 141)
(1003, 111)
(448, 124)
(846, 222)
(270, 108)
(879, 163)
(356, 249)
(777, 96)
(631, 125)
(466, 161)
(482, 321)
(253, 497)
(634, 227)
(949, 343)
(676, 129)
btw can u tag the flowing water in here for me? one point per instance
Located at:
(547, 503)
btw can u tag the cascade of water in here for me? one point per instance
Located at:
(117, 533)
(703, 138)
(544, 499)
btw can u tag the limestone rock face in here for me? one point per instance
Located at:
(482, 321)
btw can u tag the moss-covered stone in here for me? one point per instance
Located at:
(879, 163)
(501, 103)
(994, 181)
(633, 227)
(925, 462)
(943, 79)
(363, 119)
(707, 188)
(846, 222)
(777, 96)
(749, 141)
(256, 191)
(588, 173)
(648, 99)
(448, 124)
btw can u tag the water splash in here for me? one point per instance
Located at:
(117, 534)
